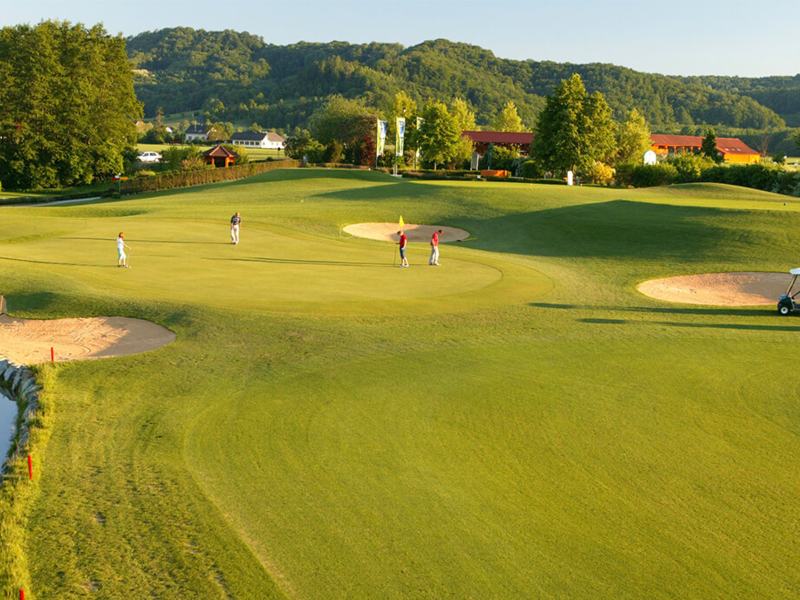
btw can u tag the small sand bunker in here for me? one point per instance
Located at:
(720, 289)
(387, 232)
(28, 341)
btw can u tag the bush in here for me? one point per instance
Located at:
(654, 175)
(531, 169)
(600, 173)
(334, 152)
(759, 176)
(171, 180)
(690, 167)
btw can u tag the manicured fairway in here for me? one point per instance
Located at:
(518, 423)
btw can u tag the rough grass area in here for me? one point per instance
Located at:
(517, 423)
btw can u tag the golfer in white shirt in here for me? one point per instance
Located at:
(122, 260)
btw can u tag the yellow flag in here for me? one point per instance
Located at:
(401, 221)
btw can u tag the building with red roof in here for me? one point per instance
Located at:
(733, 150)
(220, 156)
(481, 140)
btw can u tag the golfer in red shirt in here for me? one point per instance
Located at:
(435, 249)
(403, 241)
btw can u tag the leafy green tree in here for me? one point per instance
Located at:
(465, 119)
(574, 129)
(67, 105)
(633, 139)
(345, 121)
(439, 135)
(796, 138)
(255, 128)
(401, 105)
(708, 147)
(507, 119)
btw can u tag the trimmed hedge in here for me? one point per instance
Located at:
(768, 178)
(179, 179)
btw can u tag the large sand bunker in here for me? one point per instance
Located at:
(387, 232)
(28, 341)
(720, 289)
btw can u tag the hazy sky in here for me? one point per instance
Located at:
(674, 37)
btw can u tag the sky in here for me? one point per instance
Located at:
(749, 38)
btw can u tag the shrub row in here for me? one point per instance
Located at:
(760, 177)
(179, 179)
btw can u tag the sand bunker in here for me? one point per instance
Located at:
(387, 232)
(720, 289)
(28, 341)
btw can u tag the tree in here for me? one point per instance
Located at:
(573, 130)
(465, 120)
(400, 106)
(345, 121)
(507, 119)
(439, 135)
(633, 139)
(255, 128)
(709, 146)
(796, 138)
(67, 105)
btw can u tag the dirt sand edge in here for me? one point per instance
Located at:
(746, 288)
(387, 232)
(28, 341)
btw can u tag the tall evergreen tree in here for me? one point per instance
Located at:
(709, 146)
(67, 105)
(574, 129)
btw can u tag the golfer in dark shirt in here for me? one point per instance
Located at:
(236, 221)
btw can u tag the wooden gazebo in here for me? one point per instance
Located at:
(220, 157)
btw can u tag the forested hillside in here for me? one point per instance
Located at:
(780, 93)
(240, 77)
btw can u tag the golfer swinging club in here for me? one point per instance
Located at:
(236, 221)
(122, 259)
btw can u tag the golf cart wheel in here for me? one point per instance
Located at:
(784, 310)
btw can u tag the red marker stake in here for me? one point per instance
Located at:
(22, 595)
(52, 355)
(30, 467)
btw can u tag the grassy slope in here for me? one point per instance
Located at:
(549, 434)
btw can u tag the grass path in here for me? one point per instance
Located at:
(519, 423)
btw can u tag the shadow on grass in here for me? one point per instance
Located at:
(743, 327)
(52, 262)
(735, 326)
(293, 261)
(618, 229)
(33, 301)
(138, 241)
(723, 312)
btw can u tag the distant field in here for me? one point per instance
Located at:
(520, 422)
(252, 153)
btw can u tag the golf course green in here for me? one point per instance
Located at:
(519, 422)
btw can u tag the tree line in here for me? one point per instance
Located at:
(240, 77)
(67, 105)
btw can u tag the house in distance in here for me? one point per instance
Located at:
(197, 132)
(252, 139)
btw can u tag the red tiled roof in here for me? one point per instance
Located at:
(724, 145)
(523, 138)
(220, 152)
